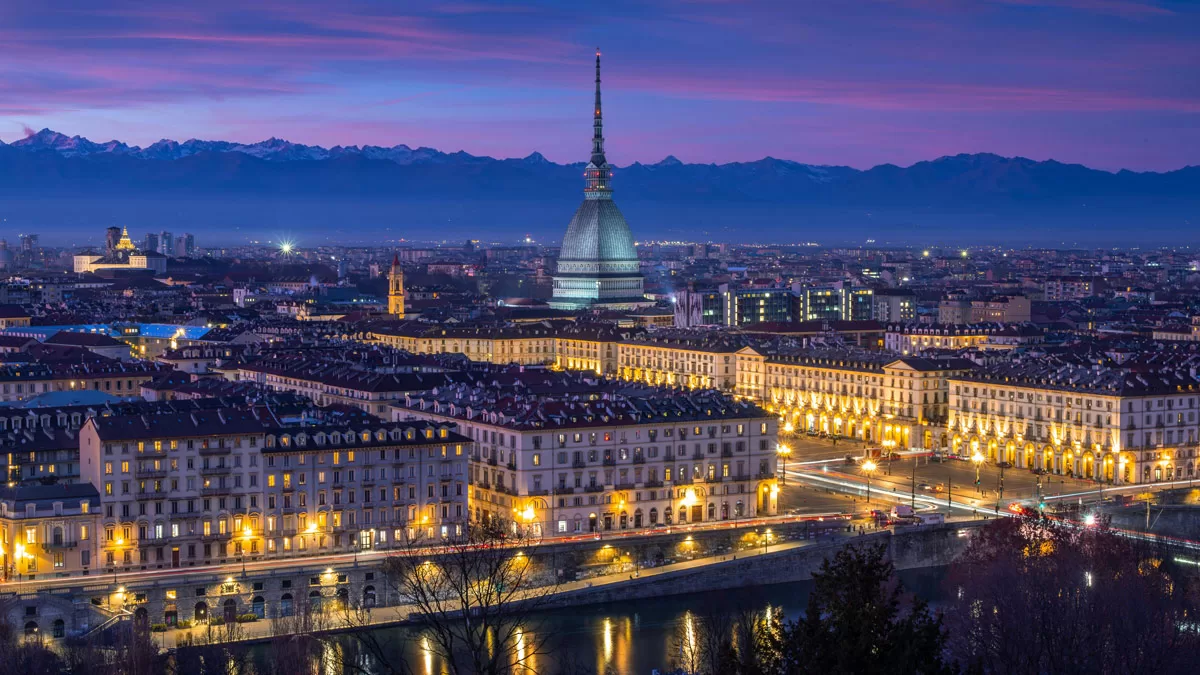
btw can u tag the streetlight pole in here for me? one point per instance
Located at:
(867, 467)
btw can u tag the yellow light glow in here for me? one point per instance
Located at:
(868, 466)
(247, 532)
(528, 514)
(689, 499)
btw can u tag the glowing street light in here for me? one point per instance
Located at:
(978, 459)
(868, 467)
(783, 451)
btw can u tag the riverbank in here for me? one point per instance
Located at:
(782, 562)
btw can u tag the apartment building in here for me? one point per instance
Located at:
(917, 338)
(213, 486)
(20, 382)
(1134, 423)
(525, 344)
(609, 458)
(48, 531)
(677, 359)
(899, 403)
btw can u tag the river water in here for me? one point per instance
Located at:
(636, 637)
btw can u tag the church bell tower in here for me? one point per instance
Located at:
(396, 289)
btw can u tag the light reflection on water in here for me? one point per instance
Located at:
(628, 637)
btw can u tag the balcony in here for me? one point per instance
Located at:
(653, 484)
(697, 455)
(593, 488)
(214, 491)
(215, 451)
(216, 470)
(149, 473)
(493, 461)
(625, 486)
(512, 466)
(578, 464)
(152, 494)
(639, 459)
(610, 461)
(564, 491)
(539, 493)
(764, 475)
(58, 545)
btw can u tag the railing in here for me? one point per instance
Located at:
(218, 470)
(610, 461)
(212, 491)
(564, 490)
(653, 484)
(215, 450)
(639, 459)
(152, 494)
(593, 488)
(57, 545)
(150, 473)
(578, 464)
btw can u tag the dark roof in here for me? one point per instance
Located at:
(64, 337)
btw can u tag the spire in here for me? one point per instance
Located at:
(598, 174)
(598, 122)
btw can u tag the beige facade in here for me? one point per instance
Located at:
(896, 403)
(1110, 435)
(226, 485)
(591, 477)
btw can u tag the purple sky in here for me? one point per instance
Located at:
(1107, 83)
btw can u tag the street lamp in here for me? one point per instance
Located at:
(783, 451)
(867, 468)
(247, 533)
(978, 460)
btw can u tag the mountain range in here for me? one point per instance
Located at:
(75, 185)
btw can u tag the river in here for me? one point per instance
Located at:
(639, 636)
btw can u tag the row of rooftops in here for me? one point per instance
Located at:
(608, 404)
(951, 329)
(279, 433)
(865, 360)
(91, 369)
(1145, 375)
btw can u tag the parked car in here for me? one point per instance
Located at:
(1004, 465)
(926, 487)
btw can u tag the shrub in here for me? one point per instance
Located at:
(247, 618)
(216, 621)
(158, 627)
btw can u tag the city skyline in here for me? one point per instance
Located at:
(1110, 85)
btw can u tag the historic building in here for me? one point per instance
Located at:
(899, 403)
(598, 264)
(1117, 424)
(597, 455)
(396, 289)
(180, 489)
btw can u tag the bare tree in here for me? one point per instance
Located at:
(477, 596)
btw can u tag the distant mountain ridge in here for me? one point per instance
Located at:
(400, 184)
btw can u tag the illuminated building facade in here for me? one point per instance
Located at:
(563, 464)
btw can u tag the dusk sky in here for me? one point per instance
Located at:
(1108, 83)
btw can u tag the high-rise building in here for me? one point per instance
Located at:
(151, 243)
(396, 289)
(598, 264)
(166, 243)
(186, 245)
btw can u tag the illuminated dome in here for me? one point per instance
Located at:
(598, 264)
